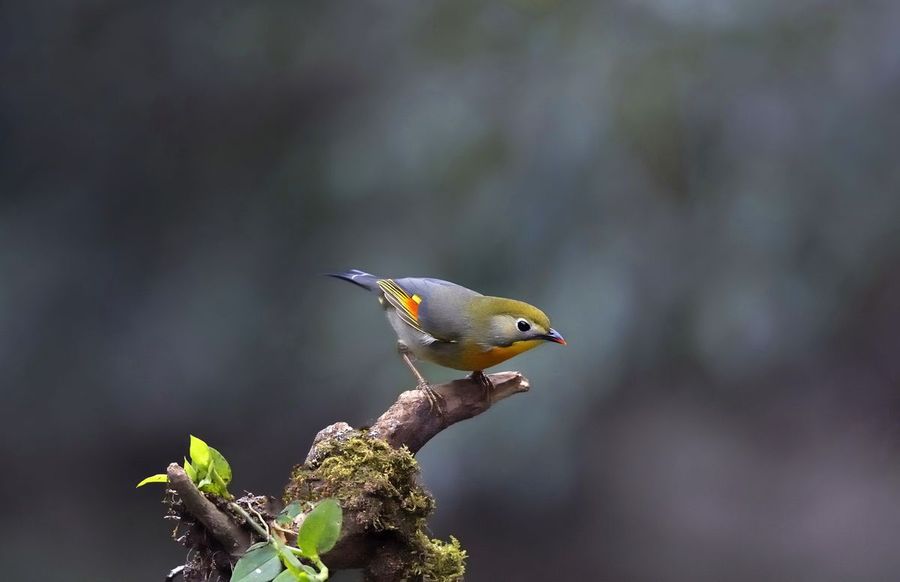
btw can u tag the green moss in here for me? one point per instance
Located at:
(438, 560)
(379, 485)
(370, 478)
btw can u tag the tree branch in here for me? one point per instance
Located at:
(411, 421)
(233, 538)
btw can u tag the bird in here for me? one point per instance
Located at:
(452, 326)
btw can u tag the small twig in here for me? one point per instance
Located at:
(277, 527)
(234, 540)
(250, 521)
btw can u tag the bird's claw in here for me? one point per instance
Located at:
(434, 398)
(486, 385)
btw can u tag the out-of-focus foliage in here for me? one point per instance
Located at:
(703, 196)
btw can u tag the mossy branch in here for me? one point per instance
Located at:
(375, 477)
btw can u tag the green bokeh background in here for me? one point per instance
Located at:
(704, 197)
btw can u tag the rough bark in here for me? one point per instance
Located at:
(411, 421)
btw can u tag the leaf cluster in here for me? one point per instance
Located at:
(274, 560)
(207, 468)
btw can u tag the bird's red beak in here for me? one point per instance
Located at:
(553, 336)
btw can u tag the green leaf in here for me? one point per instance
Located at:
(158, 478)
(309, 570)
(200, 455)
(212, 483)
(289, 560)
(219, 486)
(321, 528)
(260, 565)
(288, 514)
(221, 465)
(289, 557)
(189, 470)
(288, 576)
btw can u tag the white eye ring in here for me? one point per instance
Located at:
(522, 324)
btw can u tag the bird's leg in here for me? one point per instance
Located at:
(434, 399)
(486, 385)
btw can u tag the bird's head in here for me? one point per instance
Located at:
(510, 322)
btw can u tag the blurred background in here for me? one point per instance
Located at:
(704, 196)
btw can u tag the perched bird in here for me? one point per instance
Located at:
(453, 326)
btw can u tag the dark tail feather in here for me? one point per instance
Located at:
(357, 277)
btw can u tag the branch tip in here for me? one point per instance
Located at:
(233, 539)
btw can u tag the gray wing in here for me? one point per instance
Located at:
(440, 312)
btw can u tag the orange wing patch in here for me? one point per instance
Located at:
(413, 305)
(406, 305)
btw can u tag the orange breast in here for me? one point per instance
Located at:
(479, 359)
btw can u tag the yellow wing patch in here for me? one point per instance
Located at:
(407, 306)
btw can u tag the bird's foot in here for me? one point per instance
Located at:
(434, 399)
(487, 387)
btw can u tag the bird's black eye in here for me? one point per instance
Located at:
(523, 325)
